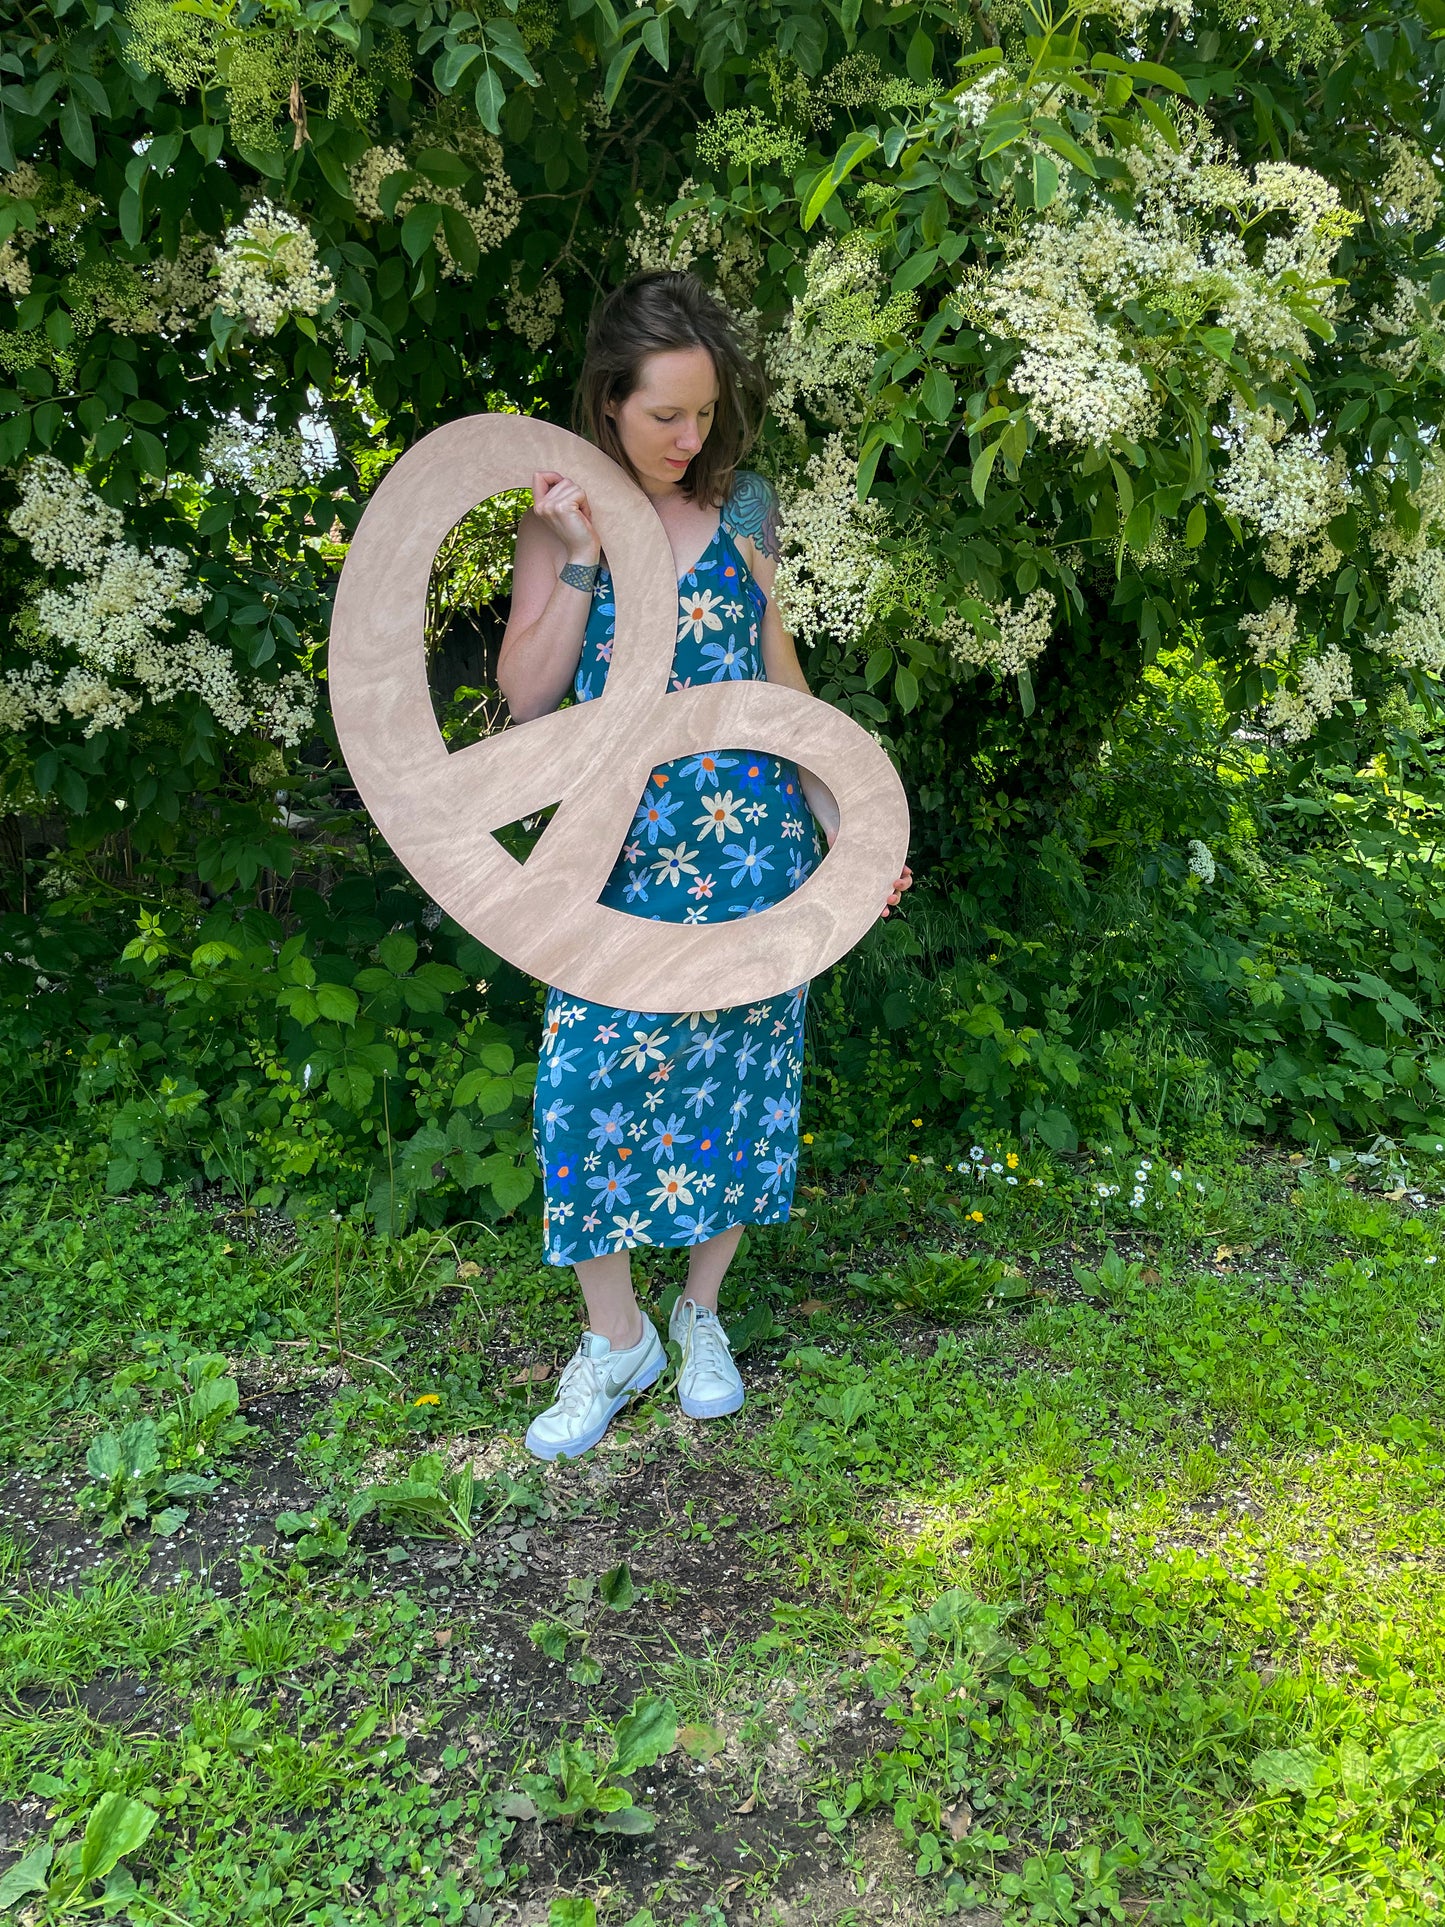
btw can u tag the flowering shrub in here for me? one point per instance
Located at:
(1092, 330)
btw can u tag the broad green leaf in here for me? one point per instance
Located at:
(982, 469)
(938, 394)
(490, 98)
(1045, 180)
(337, 1002)
(418, 227)
(1300, 1769)
(616, 1588)
(1196, 527)
(628, 1820)
(643, 1735)
(27, 1876)
(398, 951)
(117, 1826)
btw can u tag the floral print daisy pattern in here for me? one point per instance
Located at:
(654, 1129)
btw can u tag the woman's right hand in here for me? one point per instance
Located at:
(563, 507)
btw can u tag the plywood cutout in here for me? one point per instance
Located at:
(438, 808)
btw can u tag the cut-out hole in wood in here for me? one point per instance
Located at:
(439, 809)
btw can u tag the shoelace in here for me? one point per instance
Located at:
(706, 1344)
(578, 1384)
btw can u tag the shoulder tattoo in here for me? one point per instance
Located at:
(753, 510)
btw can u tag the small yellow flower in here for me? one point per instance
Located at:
(1013, 1160)
(427, 1398)
(917, 1122)
(913, 1157)
(807, 1137)
(976, 1216)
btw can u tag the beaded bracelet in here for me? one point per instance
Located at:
(581, 575)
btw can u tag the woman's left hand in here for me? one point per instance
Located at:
(905, 882)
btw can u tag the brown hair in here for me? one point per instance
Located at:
(658, 309)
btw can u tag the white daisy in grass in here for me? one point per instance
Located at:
(698, 609)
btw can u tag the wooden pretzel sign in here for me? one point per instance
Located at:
(438, 808)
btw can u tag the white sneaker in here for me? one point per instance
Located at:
(596, 1383)
(708, 1385)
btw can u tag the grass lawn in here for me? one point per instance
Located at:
(1071, 1561)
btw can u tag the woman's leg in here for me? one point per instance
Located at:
(612, 1307)
(707, 1264)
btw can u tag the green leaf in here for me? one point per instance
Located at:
(490, 1094)
(915, 269)
(655, 39)
(27, 1876)
(490, 98)
(1066, 147)
(982, 469)
(628, 1820)
(1003, 127)
(938, 394)
(1045, 180)
(418, 228)
(77, 132)
(919, 59)
(398, 951)
(461, 240)
(450, 68)
(511, 1186)
(856, 148)
(617, 1589)
(117, 1826)
(338, 1002)
(1196, 527)
(701, 1740)
(617, 71)
(905, 688)
(643, 1735)
(1026, 691)
(1301, 1769)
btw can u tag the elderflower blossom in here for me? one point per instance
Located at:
(533, 314)
(490, 221)
(117, 620)
(1074, 278)
(1415, 586)
(822, 359)
(1022, 636)
(1201, 860)
(661, 240)
(1284, 485)
(1274, 632)
(14, 269)
(1324, 681)
(268, 270)
(830, 567)
(266, 461)
(1409, 191)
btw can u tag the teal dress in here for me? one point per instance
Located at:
(657, 1129)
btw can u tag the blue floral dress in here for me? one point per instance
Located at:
(661, 1129)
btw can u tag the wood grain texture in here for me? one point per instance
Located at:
(438, 808)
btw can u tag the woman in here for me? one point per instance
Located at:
(658, 1129)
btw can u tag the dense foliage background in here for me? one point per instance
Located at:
(1107, 349)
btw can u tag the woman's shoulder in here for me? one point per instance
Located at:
(751, 509)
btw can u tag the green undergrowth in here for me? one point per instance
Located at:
(1111, 1491)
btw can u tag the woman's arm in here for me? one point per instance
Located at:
(543, 637)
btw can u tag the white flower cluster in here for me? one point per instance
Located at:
(1283, 485)
(1409, 190)
(490, 221)
(1324, 681)
(1417, 596)
(14, 269)
(823, 357)
(266, 461)
(268, 270)
(1022, 636)
(533, 315)
(830, 567)
(677, 241)
(1201, 860)
(1273, 633)
(116, 620)
(1072, 277)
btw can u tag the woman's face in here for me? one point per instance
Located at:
(667, 417)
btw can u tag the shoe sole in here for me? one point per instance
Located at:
(574, 1448)
(711, 1408)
